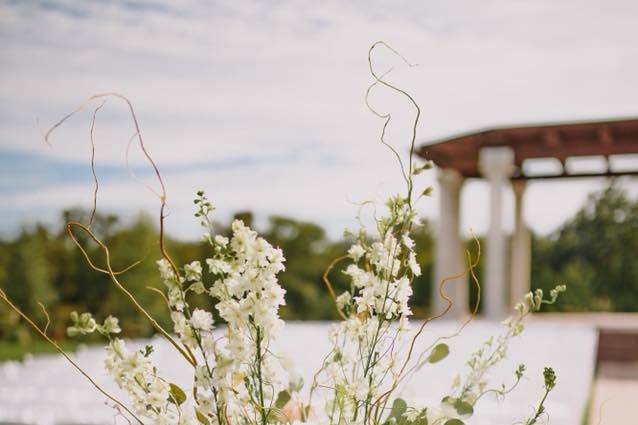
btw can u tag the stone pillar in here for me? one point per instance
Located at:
(497, 165)
(521, 248)
(449, 247)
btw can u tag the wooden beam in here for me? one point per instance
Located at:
(605, 136)
(582, 175)
(552, 138)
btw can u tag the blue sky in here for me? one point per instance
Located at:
(261, 103)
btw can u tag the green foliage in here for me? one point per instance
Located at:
(461, 407)
(438, 353)
(399, 407)
(550, 382)
(41, 265)
(594, 254)
(178, 396)
(282, 398)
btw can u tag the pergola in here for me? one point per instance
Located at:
(501, 156)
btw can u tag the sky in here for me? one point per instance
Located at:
(261, 103)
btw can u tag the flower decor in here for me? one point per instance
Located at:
(239, 380)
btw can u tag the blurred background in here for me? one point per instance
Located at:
(261, 104)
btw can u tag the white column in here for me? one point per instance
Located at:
(449, 247)
(521, 248)
(497, 165)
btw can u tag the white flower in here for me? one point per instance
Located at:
(183, 329)
(216, 266)
(221, 241)
(176, 298)
(202, 377)
(356, 252)
(193, 271)
(83, 324)
(248, 299)
(202, 320)
(343, 300)
(358, 389)
(407, 241)
(414, 266)
(134, 373)
(111, 325)
(276, 258)
(158, 392)
(165, 269)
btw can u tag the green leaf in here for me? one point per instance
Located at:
(438, 353)
(448, 400)
(201, 418)
(178, 396)
(282, 398)
(454, 422)
(463, 408)
(399, 406)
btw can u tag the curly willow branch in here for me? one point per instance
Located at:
(138, 135)
(43, 334)
(46, 315)
(326, 280)
(95, 180)
(379, 79)
(117, 283)
(86, 229)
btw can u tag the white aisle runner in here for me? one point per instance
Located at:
(47, 391)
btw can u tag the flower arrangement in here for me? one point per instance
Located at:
(239, 380)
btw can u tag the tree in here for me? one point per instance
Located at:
(594, 254)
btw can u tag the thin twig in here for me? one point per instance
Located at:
(326, 280)
(43, 334)
(95, 180)
(117, 283)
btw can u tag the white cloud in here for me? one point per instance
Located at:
(212, 82)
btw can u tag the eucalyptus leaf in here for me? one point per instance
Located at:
(448, 400)
(399, 407)
(178, 396)
(454, 422)
(282, 398)
(202, 418)
(463, 408)
(438, 353)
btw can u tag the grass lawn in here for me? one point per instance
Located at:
(16, 351)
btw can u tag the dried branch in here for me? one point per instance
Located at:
(43, 334)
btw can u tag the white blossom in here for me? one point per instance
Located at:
(166, 271)
(193, 271)
(414, 266)
(221, 240)
(356, 251)
(217, 266)
(201, 320)
(111, 325)
(134, 373)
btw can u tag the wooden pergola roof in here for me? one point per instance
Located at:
(559, 141)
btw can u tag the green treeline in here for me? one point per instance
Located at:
(594, 254)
